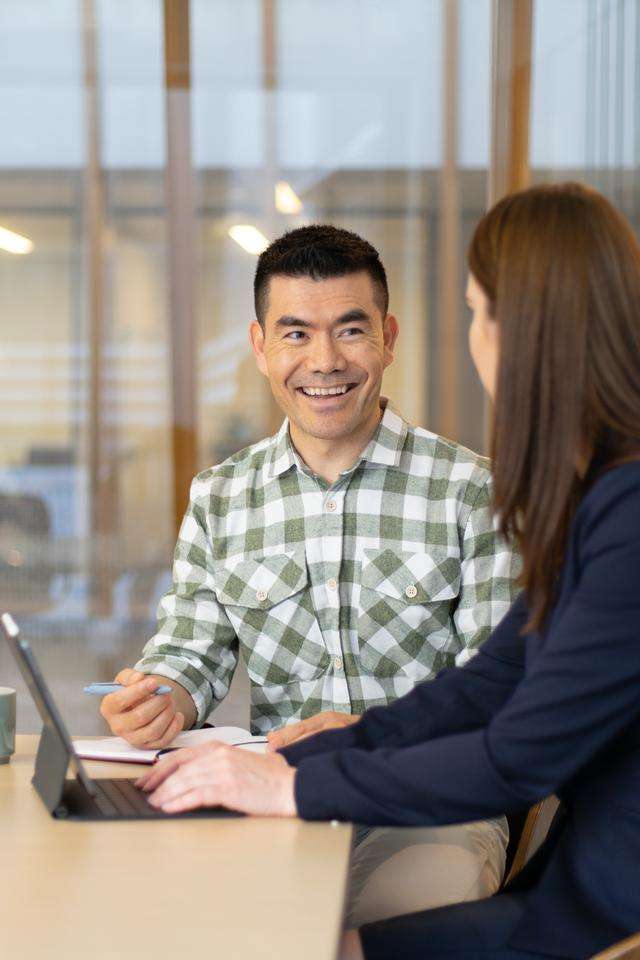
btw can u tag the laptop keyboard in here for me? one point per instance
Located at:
(119, 796)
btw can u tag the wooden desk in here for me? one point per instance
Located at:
(219, 889)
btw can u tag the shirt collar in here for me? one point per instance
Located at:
(386, 445)
(282, 453)
(384, 448)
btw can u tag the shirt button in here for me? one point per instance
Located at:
(337, 663)
(331, 505)
(411, 591)
(261, 596)
(332, 584)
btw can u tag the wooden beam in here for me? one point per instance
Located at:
(270, 166)
(181, 243)
(101, 441)
(512, 38)
(449, 236)
(511, 110)
(269, 54)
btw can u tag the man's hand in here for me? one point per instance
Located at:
(329, 720)
(141, 717)
(216, 774)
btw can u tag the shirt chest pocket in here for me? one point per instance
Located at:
(404, 619)
(268, 601)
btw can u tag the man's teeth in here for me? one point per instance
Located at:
(319, 392)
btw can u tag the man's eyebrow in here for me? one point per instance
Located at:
(354, 316)
(351, 316)
(289, 321)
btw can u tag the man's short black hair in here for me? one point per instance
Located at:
(319, 251)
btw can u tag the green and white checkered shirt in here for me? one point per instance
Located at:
(339, 597)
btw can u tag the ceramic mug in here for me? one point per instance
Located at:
(7, 723)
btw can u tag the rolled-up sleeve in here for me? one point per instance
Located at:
(195, 644)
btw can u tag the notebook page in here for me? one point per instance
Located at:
(115, 748)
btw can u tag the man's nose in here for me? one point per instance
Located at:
(326, 356)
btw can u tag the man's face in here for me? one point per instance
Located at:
(324, 348)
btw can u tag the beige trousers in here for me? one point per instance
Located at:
(396, 870)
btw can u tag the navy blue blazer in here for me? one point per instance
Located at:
(527, 717)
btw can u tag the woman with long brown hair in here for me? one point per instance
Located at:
(551, 703)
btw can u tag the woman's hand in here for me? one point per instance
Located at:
(216, 774)
(329, 720)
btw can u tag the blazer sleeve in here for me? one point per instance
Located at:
(458, 699)
(580, 693)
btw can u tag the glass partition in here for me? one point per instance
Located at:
(371, 115)
(585, 111)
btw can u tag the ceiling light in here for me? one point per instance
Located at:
(286, 199)
(249, 238)
(13, 242)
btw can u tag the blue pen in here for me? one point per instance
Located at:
(102, 689)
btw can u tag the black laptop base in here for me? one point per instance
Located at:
(84, 798)
(77, 804)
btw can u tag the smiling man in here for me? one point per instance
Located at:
(346, 559)
(324, 357)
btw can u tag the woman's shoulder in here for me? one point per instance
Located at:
(611, 506)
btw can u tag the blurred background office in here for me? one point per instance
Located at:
(148, 152)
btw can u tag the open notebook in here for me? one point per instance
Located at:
(114, 748)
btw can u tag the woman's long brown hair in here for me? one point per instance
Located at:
(561, 270)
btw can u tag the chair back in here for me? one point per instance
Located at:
(628, 949)
(521, 827)
(26, 570)
(527, 831)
